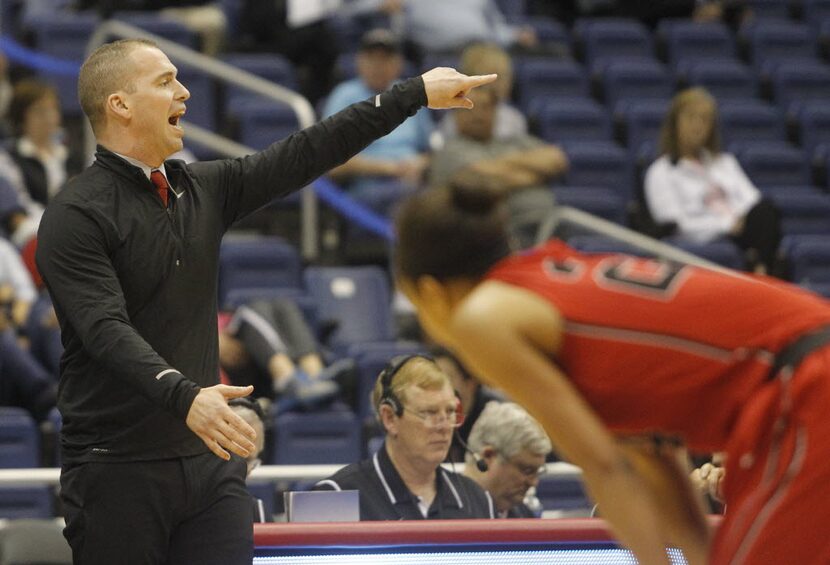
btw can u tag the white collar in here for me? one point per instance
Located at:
(147, 169)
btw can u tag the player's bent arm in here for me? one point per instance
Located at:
(507, 335)
(678, 504)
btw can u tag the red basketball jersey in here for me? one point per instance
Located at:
(660, 347)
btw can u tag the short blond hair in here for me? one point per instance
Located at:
(105, 72)
(416, 371)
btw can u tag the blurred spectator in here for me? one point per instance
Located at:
(19, 214)
(473, 395)
(485, 59)
(269, 344)
(703, 190)
(520, 165)
(402, 155)
(203, 17)
(299, 30)
(507, 456)
(37, 148)
(17, 292)
(732, 12)
(404, 480)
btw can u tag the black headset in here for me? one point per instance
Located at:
(387, 396)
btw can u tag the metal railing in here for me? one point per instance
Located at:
(309, 240)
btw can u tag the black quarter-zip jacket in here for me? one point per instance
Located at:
(135, 285)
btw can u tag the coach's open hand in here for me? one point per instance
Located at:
(221, 428)
(447, 88)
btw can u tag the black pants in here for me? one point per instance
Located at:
(761, 233)
(174, 512)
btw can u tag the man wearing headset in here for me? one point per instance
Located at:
(506, 455)
(404, 480)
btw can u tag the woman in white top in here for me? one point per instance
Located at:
(704, 191)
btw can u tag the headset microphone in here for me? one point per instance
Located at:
(481, 464)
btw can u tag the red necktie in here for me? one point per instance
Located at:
(160, 181)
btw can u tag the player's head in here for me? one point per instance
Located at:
(448, 236)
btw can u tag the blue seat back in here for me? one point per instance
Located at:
(315, 438)
(257, 263)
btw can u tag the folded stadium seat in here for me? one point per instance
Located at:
(561, 120)
(263, 122)
(34, 542)
(562, 494)
(816, 12)
(203, 109)
(814, 131)
(722, 251)
(724, 79)
(804, 210)
(773, 41)
(688, 41)
(599, 164)
(607, 203)
(613, 38)
(64, 35)
(751, 120)
(635, 79)
(773, 164)
(770, 9)
(320, 437)
(357, 298)
(809, 259)
(800, 82)
(270, 66)
(261, 262)
(548, 30)
(540, 79)
(642, 120)
(370, 359)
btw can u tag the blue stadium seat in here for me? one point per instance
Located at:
(599, 164)
(358, 298)
(694, 41)
(724, 79)
(202, 106)
(809, 259)
(257, 263)
(768, 164)
(65, 36)
(798, 83)
(804, 210)
(751, 121)
(632, 79)
(607, 203)
(19, 439)
(314, 438)
(26, 502)
(602, 244)
(770, 9)
(548, 31)
(816, 12)
(814, 130)
(771, 42)
(573, 119)
(556, 493)
(370, 359)
(270, 66)
(613, 38)
(152, 22)
(262, 123)
(723, 252)
(540, 79)
(643, 120)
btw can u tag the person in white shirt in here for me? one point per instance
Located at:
(703, 190)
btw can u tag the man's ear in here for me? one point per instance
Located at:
(388, 419)
(118, 105)
(488, 454)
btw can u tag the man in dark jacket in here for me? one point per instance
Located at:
(153, 456)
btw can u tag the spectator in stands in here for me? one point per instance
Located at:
(507, 451)
(490, 58)
(472, 394)
(703, 190)
(37, 148)
(404, 480)
(520, 165)
(402, 155)
(269, 344)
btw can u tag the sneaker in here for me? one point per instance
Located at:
(308, 392)
(336, 369)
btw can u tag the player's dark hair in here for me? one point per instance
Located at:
(454, 231)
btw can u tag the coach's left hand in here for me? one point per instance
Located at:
(447, 88)
(217, 425)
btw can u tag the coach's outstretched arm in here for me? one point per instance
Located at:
(447, 88)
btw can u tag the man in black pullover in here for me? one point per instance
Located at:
(153, 456)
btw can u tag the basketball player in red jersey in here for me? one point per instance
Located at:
(605, 350)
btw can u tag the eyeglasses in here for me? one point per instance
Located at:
(435, 417)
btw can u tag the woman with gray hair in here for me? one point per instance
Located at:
(506, 455)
